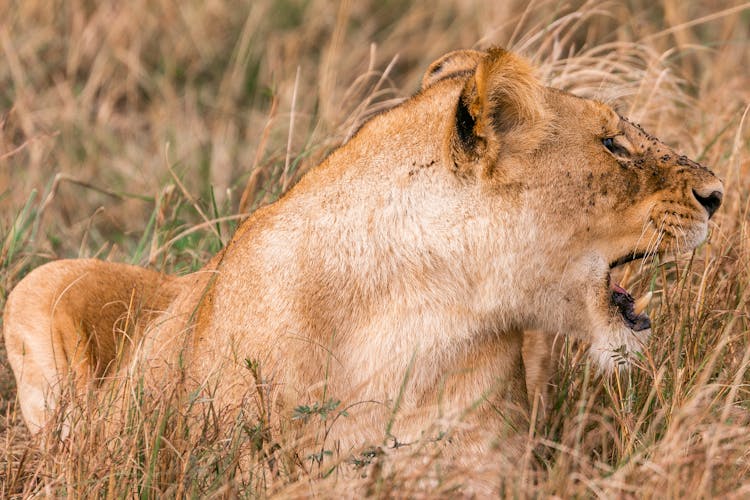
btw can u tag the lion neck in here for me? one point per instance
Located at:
(425, 270)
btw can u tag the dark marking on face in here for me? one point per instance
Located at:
(416, 168)
(648, 136)
(658, 179)
(684, 161)
(633, 188)
(510, 190)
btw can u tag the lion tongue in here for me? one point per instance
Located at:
(617, 288)
(627, 307)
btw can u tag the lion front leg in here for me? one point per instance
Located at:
(507, 401)
(485, 398)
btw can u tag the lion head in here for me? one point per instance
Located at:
(592, 189)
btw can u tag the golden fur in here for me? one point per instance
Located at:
(399, 273)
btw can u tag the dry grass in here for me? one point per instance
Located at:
(131, 131)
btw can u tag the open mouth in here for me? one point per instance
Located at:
(632, 311)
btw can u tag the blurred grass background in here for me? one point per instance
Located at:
(141, 131)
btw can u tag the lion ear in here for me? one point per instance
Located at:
(452, 64)
(501, 109)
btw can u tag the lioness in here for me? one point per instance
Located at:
(400, 272)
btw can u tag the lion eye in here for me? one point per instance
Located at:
(614, 148)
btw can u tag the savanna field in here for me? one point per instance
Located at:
(144, 131)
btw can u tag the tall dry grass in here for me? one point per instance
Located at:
(141, 131)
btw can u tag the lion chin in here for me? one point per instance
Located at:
(396, 277)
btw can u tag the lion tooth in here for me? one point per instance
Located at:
(625, 279)
(642, 303)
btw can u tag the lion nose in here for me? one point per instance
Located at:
(710, 202)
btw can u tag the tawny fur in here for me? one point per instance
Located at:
(401, 269)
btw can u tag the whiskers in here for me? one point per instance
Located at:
(654, 242)
(669, 234)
